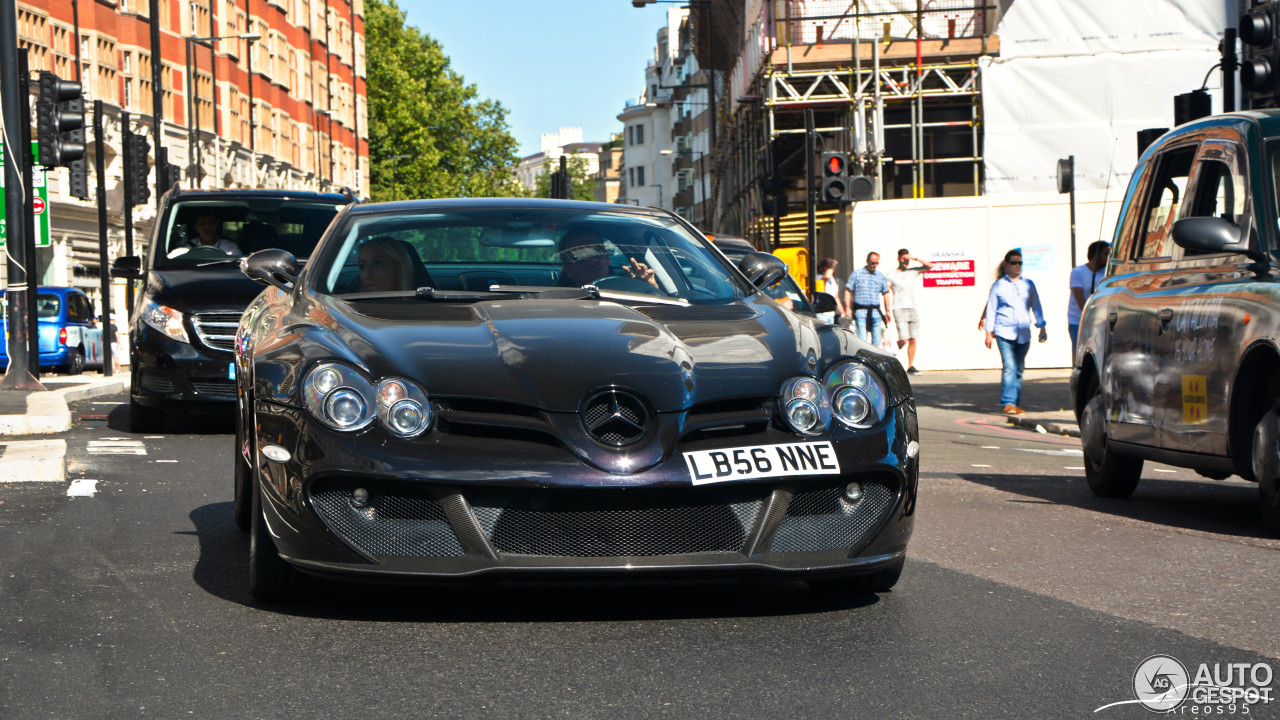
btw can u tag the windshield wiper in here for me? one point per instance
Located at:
(211, 263)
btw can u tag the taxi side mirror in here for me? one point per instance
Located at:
(1208, 235)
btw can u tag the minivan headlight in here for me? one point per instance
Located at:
(165, 319)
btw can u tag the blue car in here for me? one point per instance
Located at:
(70, 336)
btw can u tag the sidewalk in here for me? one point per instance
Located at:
(1046, 396)
(24, 413)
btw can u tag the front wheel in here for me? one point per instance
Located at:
(270, 577)
(243, 479)
(143, 419)
(1265, 457)
(1109, 475)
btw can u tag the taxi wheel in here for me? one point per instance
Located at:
(881, 580)
(75, 362)
(1108, 474)
(270, 577)
(1265, 458)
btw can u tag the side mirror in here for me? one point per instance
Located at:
(762, 269)
(824, 302)
(127, 266)
(1208, 235)
(274, 267)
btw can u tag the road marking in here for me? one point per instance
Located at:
(152, 437)
(166, 461)
(980, 466)
(82, 488)
(116, 446)
(1065, 452)
(1072, 467)
(989, 447)
(1163, 470)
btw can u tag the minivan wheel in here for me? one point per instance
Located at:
(144, 419)
(1109, 475)
(75, 362)
(1265, 458)
(270, 577)
(243, 478)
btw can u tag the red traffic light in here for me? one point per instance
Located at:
(835, 164)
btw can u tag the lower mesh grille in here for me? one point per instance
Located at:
(155, 382)
(824, 520)
(613, 524)
(390, 525)
(215, 389)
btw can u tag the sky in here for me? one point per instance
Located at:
(551, 63)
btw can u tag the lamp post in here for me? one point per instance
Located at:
(194, 148)
(394, 160)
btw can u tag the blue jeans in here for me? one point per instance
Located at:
(868, 322)
(1014, 358)
(1074, 332)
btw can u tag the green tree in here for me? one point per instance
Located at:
(454, 143)
(583, 187)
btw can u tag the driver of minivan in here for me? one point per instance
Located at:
(584, 259)
(207, 232)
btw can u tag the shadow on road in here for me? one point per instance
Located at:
(1044, 395)
(1207, 506)
(222, 570)
(179, 422)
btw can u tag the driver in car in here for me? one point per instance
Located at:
(208, 233)
(586, 260)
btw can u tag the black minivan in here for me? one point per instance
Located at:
(182, 331)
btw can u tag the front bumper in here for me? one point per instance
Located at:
(167, 373)
(456, 507)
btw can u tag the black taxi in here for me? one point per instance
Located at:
(1177, 360)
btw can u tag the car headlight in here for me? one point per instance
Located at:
(858, 397)
(166, 320)
(804, 406)
(403, 407)
(338, 396)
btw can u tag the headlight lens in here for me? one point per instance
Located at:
(338, 396)
(858, 397)
(804, 406)
(403, 407)
(166, 320)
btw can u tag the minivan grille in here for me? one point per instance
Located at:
(217, 330)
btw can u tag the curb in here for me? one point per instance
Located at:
(1046, 425)
(33, 461)
(47, 412)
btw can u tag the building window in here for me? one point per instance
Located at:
(640, 135)
(631, 176)
(640, 175)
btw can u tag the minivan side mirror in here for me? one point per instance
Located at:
(1208, 235)
(274, 267)
(127, 266)
(762, 269)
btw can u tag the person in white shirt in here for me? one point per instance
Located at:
(828, 283)
(905, 280)
(1084, 280)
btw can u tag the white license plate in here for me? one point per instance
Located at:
(762, 461)
(231, 371)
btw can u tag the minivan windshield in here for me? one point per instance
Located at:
(477, 249)
(200, 232)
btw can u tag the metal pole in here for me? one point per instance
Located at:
(75, 27)
(104, 274)
(1071, 164)
(29, 217)
(157, 114)
(191, 138)
(1229, 66)
(809, 197)
(18, 376)
(253, 132)
(127, 147)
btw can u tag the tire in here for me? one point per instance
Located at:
(243, 483)
(877, 581)
(143, 419)
(1109, 475)
(270, 577)
(1265, 458)
(75, 363)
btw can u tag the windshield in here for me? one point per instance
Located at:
(476, 250)
(200, 232)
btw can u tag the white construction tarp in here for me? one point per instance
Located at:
(1083, 77)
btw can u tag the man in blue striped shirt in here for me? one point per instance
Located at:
(869, 296)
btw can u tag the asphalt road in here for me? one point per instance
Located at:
(1023, 597)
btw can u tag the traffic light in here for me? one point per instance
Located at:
(835, 178)
(1260, 70)
(136, 151)
(60, 122)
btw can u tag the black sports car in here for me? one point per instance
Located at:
(471, 389)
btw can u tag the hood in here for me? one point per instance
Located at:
(551, 354)
(196, 290)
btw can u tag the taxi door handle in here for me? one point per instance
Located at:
(1111, 319)
(1166, 314)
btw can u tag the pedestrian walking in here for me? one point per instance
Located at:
(868, 296)
(904, 281)
(1012, 302)
(828, 283)
(1084, 280)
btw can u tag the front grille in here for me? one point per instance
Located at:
(824, 520)
(390, 525)
(615, 523)
(222, 389)
(217, 330)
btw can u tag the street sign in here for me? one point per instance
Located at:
(41, 200)
(37, 205)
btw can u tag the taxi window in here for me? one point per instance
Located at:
(1127, 229)
(1167, 192)
(1220, 188)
